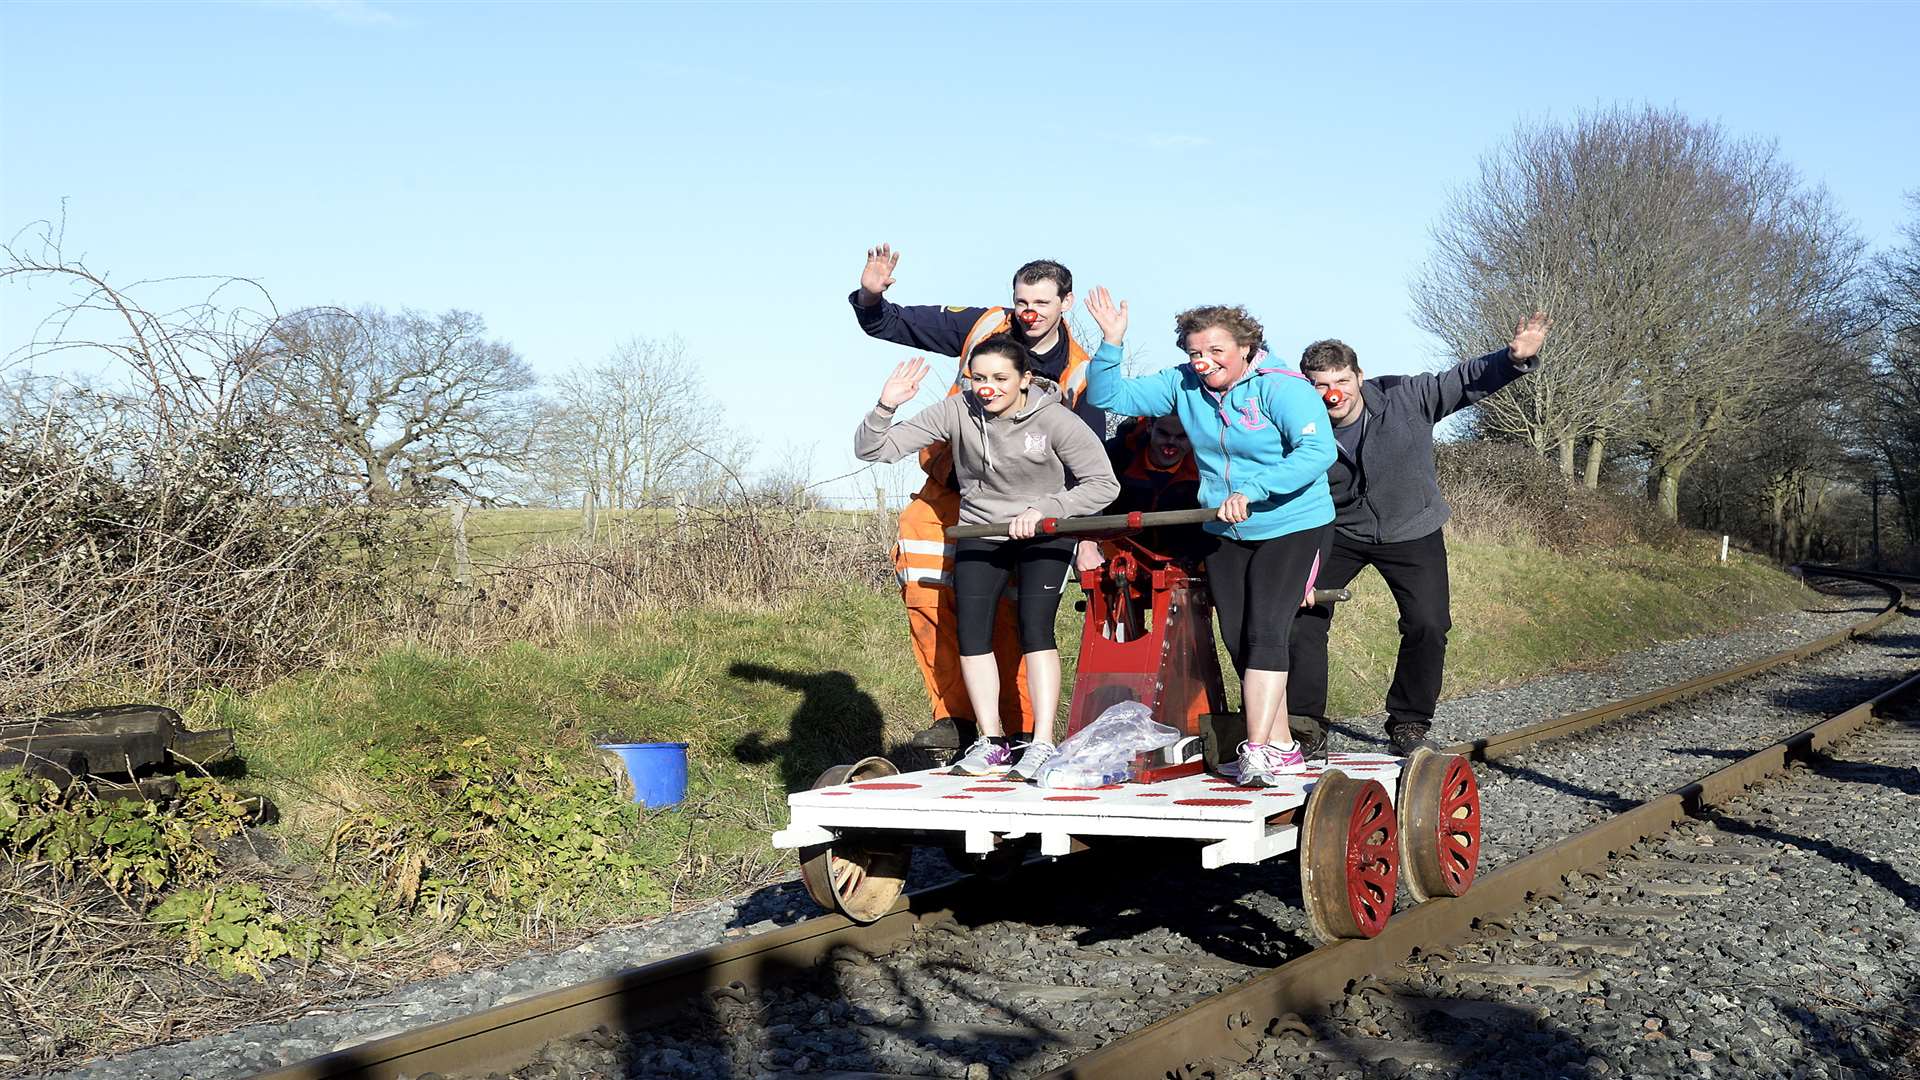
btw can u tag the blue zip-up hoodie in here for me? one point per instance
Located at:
(1267, 437)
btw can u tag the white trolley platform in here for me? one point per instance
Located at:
(1245, 824)
(1358, 821)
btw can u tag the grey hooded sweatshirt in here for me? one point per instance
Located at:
(1006, 463)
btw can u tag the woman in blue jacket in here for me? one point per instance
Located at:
(1263, 443)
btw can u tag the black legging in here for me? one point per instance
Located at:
(980, 571)
(1257, 586)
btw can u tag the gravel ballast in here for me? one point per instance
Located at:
(1092, 956)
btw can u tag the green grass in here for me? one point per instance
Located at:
(768, 700)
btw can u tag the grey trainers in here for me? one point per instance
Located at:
(1253, 766)
(983, 757)
(1031, 760)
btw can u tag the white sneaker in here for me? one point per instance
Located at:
(1253, 765)
(1032, 759)
(982, 758)
(1289, 762)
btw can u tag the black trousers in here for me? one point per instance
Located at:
(1416, 573)
(1256, 587)
(981, 568)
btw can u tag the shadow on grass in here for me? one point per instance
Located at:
(836, 723)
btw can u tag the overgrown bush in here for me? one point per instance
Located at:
(205, 563)
(486, 840)
(136, 849)
(742, 552)
(1504, 493)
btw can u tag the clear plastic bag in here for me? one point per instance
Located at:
(1102, 752)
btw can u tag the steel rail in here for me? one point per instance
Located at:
(1182, 1043)
(1508, 743)
(508, 1036)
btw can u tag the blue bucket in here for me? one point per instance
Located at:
(658, 770)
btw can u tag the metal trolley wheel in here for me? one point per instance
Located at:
(860, 879)
(1439, 824)
(1348, 857)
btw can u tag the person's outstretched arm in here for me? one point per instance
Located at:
(1148, 395)
(1447, 392)
(936, 329)
(878, 438)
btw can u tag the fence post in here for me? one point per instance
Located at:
(879, 500)
(1723, 547)
(587, 521)
(462, 560)
(680, 515)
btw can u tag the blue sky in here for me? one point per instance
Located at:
(583, 174)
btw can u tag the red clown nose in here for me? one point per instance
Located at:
(1333, 397)
(1203, 366)
(985, 393)
(1029, 318)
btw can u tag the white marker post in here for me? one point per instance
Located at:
(1723, 547)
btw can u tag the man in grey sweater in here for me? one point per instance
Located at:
(1388, 514)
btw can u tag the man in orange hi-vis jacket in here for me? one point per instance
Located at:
(923, 556)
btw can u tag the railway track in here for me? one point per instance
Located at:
(1077, 985)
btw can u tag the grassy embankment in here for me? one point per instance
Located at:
(769, 699)
(442, 804)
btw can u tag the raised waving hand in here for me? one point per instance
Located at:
(904, 383)
(1112, 319)
(878, 273)
(1528, 336)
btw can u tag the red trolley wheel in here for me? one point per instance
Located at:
(860, 880)
(1348, 857)
(1439, 824)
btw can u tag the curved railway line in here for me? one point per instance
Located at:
(1058, 1003)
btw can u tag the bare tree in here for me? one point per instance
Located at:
(410, 404)
(1684, 269)
(1521, 238)
(1893, 412)
(1776, 479)
(637, 425)
(193, 367)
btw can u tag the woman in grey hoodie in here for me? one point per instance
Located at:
(1014, 445)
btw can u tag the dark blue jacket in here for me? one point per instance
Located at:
(1391, 494)
(944, 330)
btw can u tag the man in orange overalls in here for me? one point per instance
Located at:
(923, 556)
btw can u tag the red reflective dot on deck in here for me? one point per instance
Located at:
(1236, 787)
(1072, 798)
(836, 793)
(1212, 802)
(989, 789)
(884, 787)
(1153, 794)
(956, 796)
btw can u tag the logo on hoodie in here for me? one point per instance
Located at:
(1251, 417)
(1036, 444)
